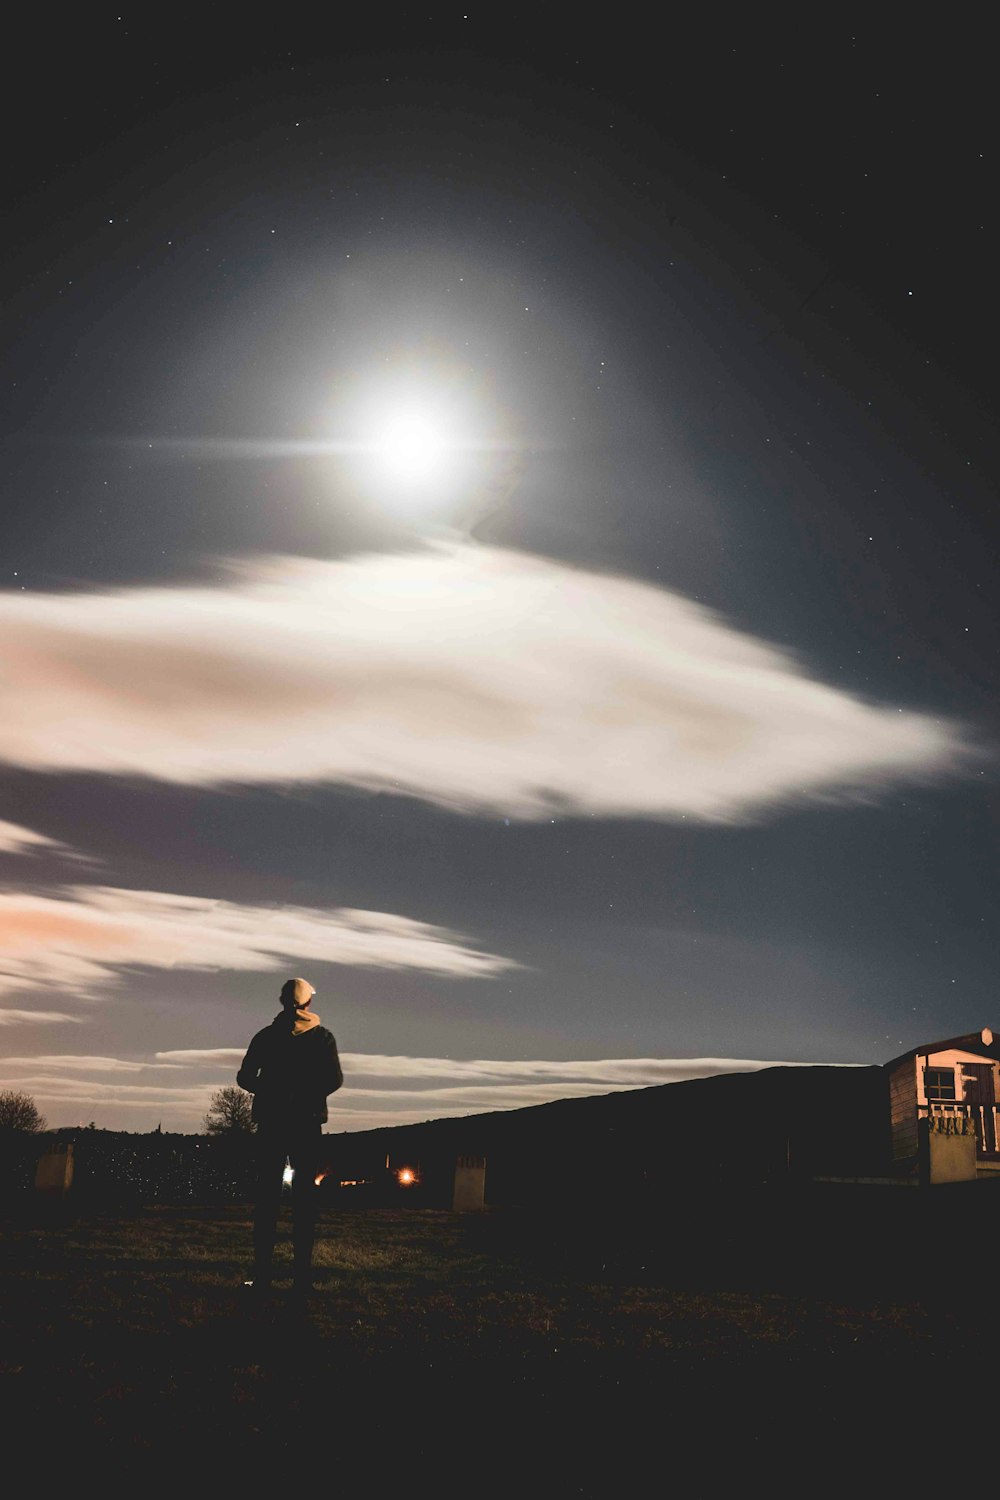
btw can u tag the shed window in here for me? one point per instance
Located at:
(939, 1083)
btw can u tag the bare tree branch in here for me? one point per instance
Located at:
(230, 1112)
(18, 1111)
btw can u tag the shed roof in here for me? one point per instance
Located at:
(984, 1043)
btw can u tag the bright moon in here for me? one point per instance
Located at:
(412, 450)
(420, 438)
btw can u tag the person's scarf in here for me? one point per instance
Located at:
(296, 1021)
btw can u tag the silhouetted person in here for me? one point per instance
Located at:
(290, 1068)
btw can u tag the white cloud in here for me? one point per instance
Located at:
(441, 1077)
(49, 1090)
(76, 1062)
(629, 1072)
(80, 940)
(213, 1056)
(484, 680)
(11, 1017)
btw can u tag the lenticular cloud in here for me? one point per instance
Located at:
(480, 679)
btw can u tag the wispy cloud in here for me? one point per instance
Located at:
(11, 1017)
(379, 1089)
(80, 940)
(485, 680)
(78, 1063)
(630, 1072)
(187, 1104)
(17, 840)
(193, 1057)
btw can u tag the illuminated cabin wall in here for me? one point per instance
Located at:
(907, 1095)
(903, 1087)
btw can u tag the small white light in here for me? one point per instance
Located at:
(287, 1176)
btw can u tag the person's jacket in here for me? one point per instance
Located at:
(290, 1076)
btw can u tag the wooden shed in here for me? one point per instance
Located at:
(951, 1085)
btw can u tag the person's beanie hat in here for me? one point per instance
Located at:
(296, 993)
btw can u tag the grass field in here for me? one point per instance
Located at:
(505, 1351)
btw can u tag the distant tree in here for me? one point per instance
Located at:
(18, 1111)
(230, 1112)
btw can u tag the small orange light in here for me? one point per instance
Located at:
(405, 1176)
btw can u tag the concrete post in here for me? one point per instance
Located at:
(54, 1172)
(470, 1184)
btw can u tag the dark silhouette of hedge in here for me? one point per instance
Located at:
(118, 1169)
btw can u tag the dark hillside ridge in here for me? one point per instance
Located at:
(777, 1124)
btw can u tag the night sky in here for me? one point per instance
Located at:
(499, 519)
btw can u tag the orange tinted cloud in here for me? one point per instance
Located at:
(75, 941)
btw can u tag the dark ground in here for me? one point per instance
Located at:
(800, 1339)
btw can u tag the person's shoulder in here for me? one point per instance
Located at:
(322, 1037)
(262, 1037)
